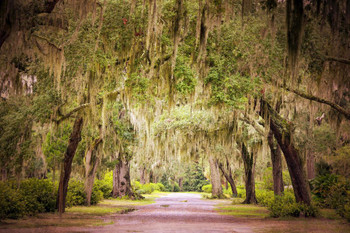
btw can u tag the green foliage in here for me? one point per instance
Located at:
(194, 178)
(148, 188)
(169, 185)
(264, 197)
(341, 161)
(185, 80)
(268, 179)
(207, 188)
(33, 196)
(105, 185)
(332, 191)
(55, 145)
(138, 86)
(39, 195)
(324, 139)
(285, 205)
(11, 202)
(76, 194)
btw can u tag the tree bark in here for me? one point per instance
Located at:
(310, 164)
(121, 179)
(282, 132)
(249, 170)
(91, 164)
(181, 183)
(276, 159)
(66, 167)
(229, 178)
(142, 175)
(215, 178)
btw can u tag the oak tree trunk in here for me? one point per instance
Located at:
(142, 175)
(66, 168)
(215, 178)
(276, 159)
(310, 164)
(181, 183)
(121, 179)
(229, 179)
(249, 170)
(282, 132)
(91, 164)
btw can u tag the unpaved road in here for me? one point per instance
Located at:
(176, 212)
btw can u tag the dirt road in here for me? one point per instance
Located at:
(176, 212)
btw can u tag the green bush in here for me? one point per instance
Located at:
(11, 202)
(207, 188)
(105, 185)
(285, 205)
(264, 197)
(148, 188)
(176, 187)
(240, 192)
(33, 196)
(39, 195)
(76, 193)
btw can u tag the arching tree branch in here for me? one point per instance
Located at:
(322, 101)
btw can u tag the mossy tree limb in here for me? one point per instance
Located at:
(333, 105)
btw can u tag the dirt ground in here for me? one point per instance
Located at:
(185, 212)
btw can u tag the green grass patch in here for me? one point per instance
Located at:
(329, 214)
(53, 220)
(242, 210)
(98, 210)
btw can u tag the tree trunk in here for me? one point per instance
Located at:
(91, 164)
(215, 178)
(282, 132)
(142, 175)
(121, 179)
(249, 170)
(150, 177)
(181, 183)
(3, 173)
(310, 163)
(66, 168)
(276, 159)
(229, 179)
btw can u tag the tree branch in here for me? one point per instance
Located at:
(322, 101)
(69, 114)
(337, 59)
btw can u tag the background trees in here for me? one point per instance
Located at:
(158, 84)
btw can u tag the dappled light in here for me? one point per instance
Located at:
(174, 116)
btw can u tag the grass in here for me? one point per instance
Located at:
(81, 216)
(53, 220)
(149, 199)
(98, 210)
(258, 219)
(242, 210)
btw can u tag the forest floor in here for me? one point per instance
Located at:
(174, 212)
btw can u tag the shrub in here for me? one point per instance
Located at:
(240, 192)
(207, 188)
(149, 188)
(264, 197)
(105, 185)
(176, 187)
(96, 196)
(76, 193)
(285, 205)
(39, 195)
(11, 203)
